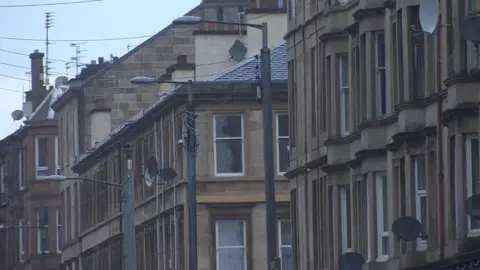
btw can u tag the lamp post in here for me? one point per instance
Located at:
(129, 240)
(269, 174)
(191, 163)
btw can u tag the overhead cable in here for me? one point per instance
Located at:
(50, 4)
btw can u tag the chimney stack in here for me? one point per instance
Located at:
(101, 61)
(38, 89)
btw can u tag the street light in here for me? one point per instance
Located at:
(266, 82)
(129, 240)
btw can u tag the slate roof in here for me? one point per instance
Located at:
(44, 110)
(247, 70)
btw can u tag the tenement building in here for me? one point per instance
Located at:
(364, 86)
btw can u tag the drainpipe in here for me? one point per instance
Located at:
(440, 175)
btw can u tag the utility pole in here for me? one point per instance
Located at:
(129, 240)
(78, 55)
(192, 184)
(269, 169)
(48, 25)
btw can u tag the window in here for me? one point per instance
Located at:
(473, 174)
(231, 244)
(380, 80)
(282, 143)
(292, 99)
(345, 219)
(344, 93)
(452, 190)
(229, 156)
(421, 205)
(471, 49)
(41, 156)
(473, 6)
(42, 230)
(3, 174)
(382, 215)
(313, 89)
(21, 179)
(57, 156)
(59, 230)
(418, 55)
(285, 244)
(21, 241)
(291, 9)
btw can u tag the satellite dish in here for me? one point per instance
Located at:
(428, 12)
(17, 115)
(351, 261)
(238, 51)
(151, 171)
(473, 206)
(167, 174)
(407, 228)
(469, 28)
(61, 80)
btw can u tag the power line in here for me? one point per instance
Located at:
(13, 77)
(23, 67)
(10, 90)
(75, 40)
(50, 4)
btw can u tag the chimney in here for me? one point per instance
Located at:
(93, 62)
(182, 59)
(101, 60)
(100, 121)
(38, 89)
(115, 58)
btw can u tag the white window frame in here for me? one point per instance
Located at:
(21, 173)
(21, 240)
(344, 218)
(3, 173)
(280, 243)
(217, 247)
(469, 184)
(369, 219)
(37, 167)
(378, 77)
(228, 138)
(57, 156)
(344, 96)
(39, 233)
(279, 172)
(420, 193)
(379, 189)
(58, 230)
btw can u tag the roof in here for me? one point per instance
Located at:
(247, 70)
(44, 110)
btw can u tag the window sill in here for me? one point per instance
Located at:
(229, 174)
(473, 233)
(422, 246)
(382, 258)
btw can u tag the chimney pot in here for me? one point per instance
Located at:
(182, 59)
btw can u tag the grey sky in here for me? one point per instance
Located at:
(106, 19)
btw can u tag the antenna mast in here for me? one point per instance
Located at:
(48, 25)
(78, 55)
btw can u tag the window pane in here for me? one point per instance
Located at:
(283, 155)
(349, 219)
(230, 233)
(423, 212)
(421, 173)
(346, 107)
(42, 152)
(385, 245)
(231, 258)
(229, 156)
(344, 70)
(286, 233)
(475, 169)
(228, 126)
(286, 256)
(380, 50)
(283, 125)
(385, 203)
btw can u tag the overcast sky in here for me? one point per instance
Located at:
(96, 20)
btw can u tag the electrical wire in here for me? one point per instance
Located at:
(13, 77)
(23, 67)
(10, 90)
(50, 4)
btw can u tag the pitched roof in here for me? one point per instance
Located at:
(44, 110)
(247, 69)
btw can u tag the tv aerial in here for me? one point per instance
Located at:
(151, 171)
(351, 261)
(429, 12)
(473, 206)
(17, 115)
(407, 229)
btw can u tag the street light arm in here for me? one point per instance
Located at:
(96, 181)
(257, 26)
